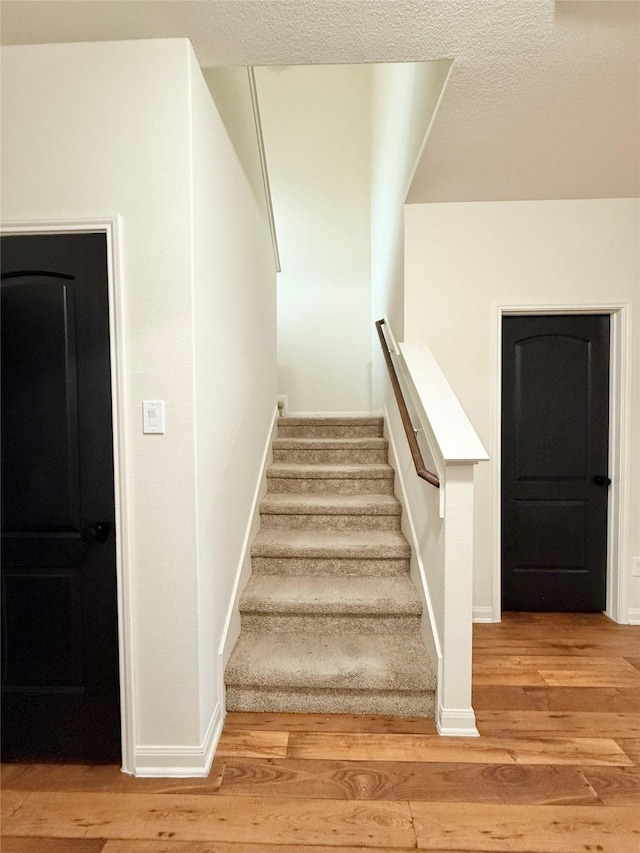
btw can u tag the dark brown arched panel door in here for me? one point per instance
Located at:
(555, 426)
(60, 687)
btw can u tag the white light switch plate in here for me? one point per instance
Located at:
(153, 416)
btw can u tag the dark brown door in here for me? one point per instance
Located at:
(60, 688)
(555, 425)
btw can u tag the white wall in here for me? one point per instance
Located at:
(125, 128)
(95, 129)
(464, 258)
(404, 98)
(235, 358)
(229, 87)
(316, 131)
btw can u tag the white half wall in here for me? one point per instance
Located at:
(316, 128)
(438, 522)
(128, 129)
(463, 260)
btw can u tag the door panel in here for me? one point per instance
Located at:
(553, 415)
(59, 613)
(555, 375)
(43, 631)
(40, 425)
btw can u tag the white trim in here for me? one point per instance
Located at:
(634, 615)
(253, 89)
(428, 625)
(620, 432)
(619, 444)
(283, 405)
(483, 614)
(231, 630)
(110, 225)
(456, 722)
(168, 761)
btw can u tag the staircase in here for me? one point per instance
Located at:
(330, 618)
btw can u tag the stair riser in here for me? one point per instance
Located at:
(379, 553)
(331, 456)
(272, 700)
(300, 567)
(329, 625)
(378, 486)
(271, 521)
(310, 431)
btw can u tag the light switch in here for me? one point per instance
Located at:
(153, 416)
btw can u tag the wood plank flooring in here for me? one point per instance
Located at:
(556, 769)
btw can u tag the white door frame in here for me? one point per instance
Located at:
(110, 226)
(619, 446)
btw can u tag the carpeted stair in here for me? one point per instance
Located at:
(330, 618)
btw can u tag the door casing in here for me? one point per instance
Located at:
(110, 226)
(619, 446)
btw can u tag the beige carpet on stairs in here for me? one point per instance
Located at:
(330, 617)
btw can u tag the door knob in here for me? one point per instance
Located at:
(97, 532)
(601, 480)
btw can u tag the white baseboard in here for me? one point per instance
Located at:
(483, 614)
(456, 722)
(450, 722)
(418, 574)
(164, 761)
(634, 615)
(231, 630)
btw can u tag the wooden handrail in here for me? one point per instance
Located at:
(418, 461)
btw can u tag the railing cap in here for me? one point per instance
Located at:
(457, 440)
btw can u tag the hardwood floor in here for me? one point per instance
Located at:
(556, 769)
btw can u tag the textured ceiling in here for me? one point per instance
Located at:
(543, 100)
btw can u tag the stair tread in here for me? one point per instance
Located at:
(328, 471)
(331, 595)
(359, 544)
(353, 662)
(323, 504)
